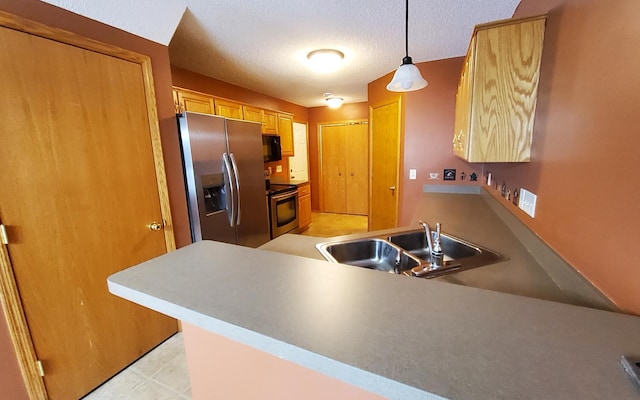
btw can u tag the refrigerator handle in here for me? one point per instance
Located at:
(231, 195)
(235, 174)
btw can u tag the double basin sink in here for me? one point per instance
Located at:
(407, 253)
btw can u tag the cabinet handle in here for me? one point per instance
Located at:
(339, 173)
(392, 188)
(352, 174)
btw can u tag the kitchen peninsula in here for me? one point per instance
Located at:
(368, 335)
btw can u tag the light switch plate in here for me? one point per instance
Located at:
(412, 174)
(527, 202)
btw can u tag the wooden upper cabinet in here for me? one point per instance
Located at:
(285, 130)
(252, 114)
(497, 92)
(268, 119)
(192, 101)
(269, 122)
(228, 109)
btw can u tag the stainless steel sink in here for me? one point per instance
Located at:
(372, 253)
(458, 253)
(407, 253)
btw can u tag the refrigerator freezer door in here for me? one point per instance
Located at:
(245, 143)
(209, 200)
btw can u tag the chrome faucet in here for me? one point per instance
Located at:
(436, 254)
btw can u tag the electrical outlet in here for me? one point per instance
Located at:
(412, 174)
(527, 202)
(278, 168)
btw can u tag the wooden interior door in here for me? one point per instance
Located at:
(333, 169)
(78, 190)
(385, 161)
(357, 168)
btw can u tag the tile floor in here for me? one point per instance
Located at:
(328, 224)
(160, 375)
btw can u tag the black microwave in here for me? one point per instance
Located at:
(271, 149)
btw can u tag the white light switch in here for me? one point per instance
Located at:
(527, 202)
(278, 168)
(412, 174)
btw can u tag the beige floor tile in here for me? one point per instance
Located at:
(118, 387)
(174, 374)
(159, 375)
(328, 224)
(150, 390)
(164, 354)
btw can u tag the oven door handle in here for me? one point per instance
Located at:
(280, 196)
(236, 175)
(231, 195)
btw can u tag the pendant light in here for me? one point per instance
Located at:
(407, 78)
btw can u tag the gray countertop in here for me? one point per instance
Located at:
(403, 338)
(471, 218)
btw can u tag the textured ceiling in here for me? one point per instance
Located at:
(262, 44)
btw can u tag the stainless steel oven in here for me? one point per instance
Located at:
(283, 209)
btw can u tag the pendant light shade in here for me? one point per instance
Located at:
(407, 77)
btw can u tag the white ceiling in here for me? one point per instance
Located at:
(262, 44)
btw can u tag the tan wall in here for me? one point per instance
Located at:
(317, 115)
(53, 16)
(218, 369)
(428, 129)
(585, 167)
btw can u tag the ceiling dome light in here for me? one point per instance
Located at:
(334, 102)
(325, 60)
(407, 78)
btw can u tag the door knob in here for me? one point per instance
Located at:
(155, 226)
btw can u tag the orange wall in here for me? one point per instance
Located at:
(428, 131)
(56, 17)
(585, 167)
(317, 115)
(194, 81)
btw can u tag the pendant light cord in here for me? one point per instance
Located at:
(406, 30)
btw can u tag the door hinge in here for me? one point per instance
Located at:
(3, 235)
(40, 367)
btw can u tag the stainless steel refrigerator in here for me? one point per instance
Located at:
(224, 175)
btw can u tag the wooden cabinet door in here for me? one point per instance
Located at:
(285, 130)
(195, 102)
(78, 191)
(304, 206)
(496, 101)
(228, 109)
(462, 122)
(357, 168)
(251, 114)
(270, 122)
